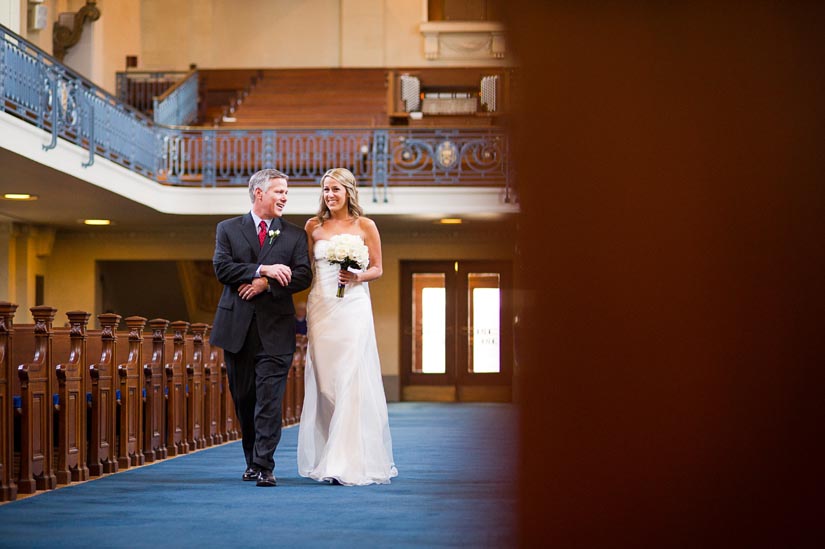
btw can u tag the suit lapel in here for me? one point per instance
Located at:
(250, 232)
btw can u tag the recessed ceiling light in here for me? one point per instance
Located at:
(450, 221)
(97, 222)
(19, 196)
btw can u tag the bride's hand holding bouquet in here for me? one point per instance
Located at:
(348, 251)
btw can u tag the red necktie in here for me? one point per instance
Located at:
(262, 232)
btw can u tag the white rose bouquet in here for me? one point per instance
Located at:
(347, 250)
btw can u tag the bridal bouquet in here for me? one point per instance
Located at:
(347, 250)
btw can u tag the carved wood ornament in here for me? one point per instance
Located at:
(64, 37)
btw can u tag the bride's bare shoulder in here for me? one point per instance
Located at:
(312, 224)
(366, 224)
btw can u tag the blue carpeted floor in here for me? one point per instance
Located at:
(456, 487)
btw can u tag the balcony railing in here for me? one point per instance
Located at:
(140, 88)
(37, 88)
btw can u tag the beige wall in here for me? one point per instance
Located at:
(71, 282)
(285, 34)
(24, 252)
(227, 33)
(104, 44)
(170, 35)
(120, 21)
(362, 33)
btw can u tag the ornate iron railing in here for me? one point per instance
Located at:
(36, 87)
(40, 90)
(178, 106)
(140, 88)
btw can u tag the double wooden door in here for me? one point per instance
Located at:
(456, 331)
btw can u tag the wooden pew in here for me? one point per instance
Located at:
(154, 418)
(287, 404)
(212, 398)
(230, 420)
(131, 383)
(175, 397)
(102, 375)
(299, 361)
(8, 486)
(316, 98)
(37, 444)
(221, 88)
(71, 388)
(53, 376)
(195, 396)
(294, 396)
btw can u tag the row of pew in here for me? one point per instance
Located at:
(77, 403)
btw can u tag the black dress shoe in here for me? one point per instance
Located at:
(251, 473)
(265, 478)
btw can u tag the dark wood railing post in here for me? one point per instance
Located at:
(154, 443)
(8, 488)
(176, 398)
(102, 451)
(36, 438)
(194, 376)
(71, 380)
(230, 420)
(287, 403)
(301, 351)
(130, 450)
(212, 382)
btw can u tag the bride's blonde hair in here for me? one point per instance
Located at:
(347, 180)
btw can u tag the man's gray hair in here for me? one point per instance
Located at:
(261, 179)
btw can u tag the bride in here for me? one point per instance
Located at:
(344, 435)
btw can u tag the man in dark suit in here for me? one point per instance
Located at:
(261, 260)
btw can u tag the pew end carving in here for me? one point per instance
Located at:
(71, 381)
(131, 383)
(102, 373)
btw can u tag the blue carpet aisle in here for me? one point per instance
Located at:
(456, 487)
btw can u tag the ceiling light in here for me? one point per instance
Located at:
(450, 221)
(97, 222)
(19, 196)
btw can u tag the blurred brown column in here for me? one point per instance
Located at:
(672, 255)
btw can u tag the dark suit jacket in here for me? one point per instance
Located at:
(237, 256)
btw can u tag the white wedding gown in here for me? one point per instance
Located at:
(344, 433)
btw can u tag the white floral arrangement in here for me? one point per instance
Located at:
(347, 250)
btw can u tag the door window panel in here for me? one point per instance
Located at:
(430, 322)
(484, 331)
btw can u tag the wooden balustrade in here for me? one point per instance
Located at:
(148, 397)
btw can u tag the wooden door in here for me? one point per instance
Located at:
(456, 331)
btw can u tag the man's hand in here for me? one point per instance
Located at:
(282, 274)
(248, 291)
